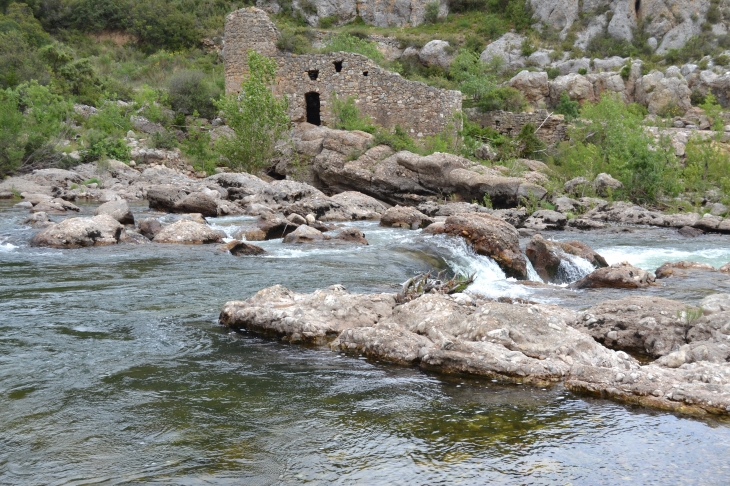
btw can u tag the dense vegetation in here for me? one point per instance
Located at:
(158, 59)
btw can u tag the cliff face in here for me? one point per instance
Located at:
(381, 13)
(670, 23)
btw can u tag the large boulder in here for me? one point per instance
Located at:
(554, 261)
(492, 237)
(576, 86)
(187, 232)
(533, 85)
(360, 206)
(149, 227)
(197, 202)
(436, 53)
(508, 48)
(118, 210)
(604, 184)
(405, 217)
(546, 219)
(625, 213)
(618, 276)
(304, 234)
(80, 232)
(647, 325)
(659, 93)
(241, 248)
(681, 269)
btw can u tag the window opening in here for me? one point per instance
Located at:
(364, 73)
(338, 66)
(313, 74)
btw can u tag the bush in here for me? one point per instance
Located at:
(32, 122)
(348, 117)
(101, 147)
(398, 139)
(163, 140)
(197, 148)
(530, 145)
(111, 119)
(569, 109)
(256, 116)
(492, 27)
(296, 41)
(328, 22)
(502, 98)
(190, 92)
(432, 13)
(552, 72)
(350, 43)
(100, 15)
(158, 25)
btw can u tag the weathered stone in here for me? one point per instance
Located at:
(318, 318)
(149, 227)
(680, 269)
(533, 85)
(405, 217)
(715, 303)
(690, 232)
(605, 184)
(508, 48)
(38, 220)
(625, 213)
(304, 234)
(653, 326)
(575, 185)
(725, 268)
(272, 227)
(618, 276)
(197, 202)
(241, 248)
(118, 210)
(546, 219)
(80, 232)
(360, 206)
(492, 237)
(436, 53)
(576, 86)
(187, 232)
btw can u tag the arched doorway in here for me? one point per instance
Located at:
(313, 116)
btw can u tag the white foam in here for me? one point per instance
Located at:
(7, 247)
(650, 258)
(573, 268)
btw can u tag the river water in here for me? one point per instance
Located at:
(113, 370)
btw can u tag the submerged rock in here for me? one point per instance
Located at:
(618, 276)
(80, 232)
(405, 217)
(241, 248)
(149, 227)
(548, 257)
(492, 237)
(186, 232)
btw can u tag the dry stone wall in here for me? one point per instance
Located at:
(552, 128)
(312, 81)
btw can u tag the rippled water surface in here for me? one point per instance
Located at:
(113, 370)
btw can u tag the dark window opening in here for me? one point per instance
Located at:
(637, 6)
(313, 116)
(313, 74)
(338, 66)
(364, 73)
(496, 123)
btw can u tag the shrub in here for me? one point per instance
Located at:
(582, 71)
(328, 22)
(101, 147)
(256, 116)
(552, 72)
(100, 15)
(163, 140)
(111, 119)
(398, 139)
(348, 117)
(349, 43)
(189, 91)
(530, 145)
(197, 148)
(432, 13)
(296, 41)
(502, 98)
(158, 25)
(492, 27)
(567, 108)
(308, 7)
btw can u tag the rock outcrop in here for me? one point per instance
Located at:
(618, 276)
(552, 259)
(118, 210)
(492, 237)
(185, 232)
(100, 230)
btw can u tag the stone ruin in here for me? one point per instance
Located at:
(551, 128)
(312, 81)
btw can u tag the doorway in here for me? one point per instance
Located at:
(313, 116)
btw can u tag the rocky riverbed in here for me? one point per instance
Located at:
(660, 352)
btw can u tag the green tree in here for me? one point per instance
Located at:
(567, 108)
(256, 116)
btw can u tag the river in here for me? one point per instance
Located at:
(113, 370)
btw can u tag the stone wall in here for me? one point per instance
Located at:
(552, 128)
(386, 97)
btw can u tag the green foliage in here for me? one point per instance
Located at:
(582, 71)
(256, 116)
(610, 138)
(347, 116)
(477, 80)
(328, 22)
(163, 140)
(198, 149)
(101, 15)
(158, 25)
(530, 145)
(111, 119)
(706, 164)
(101, 147)
(502, 98)
(432, 12)
(350, 43)
(398, 139)
(569, 109)
(190, 91)
(552, 72)
(295, 40)
(32, 121)
(712, 109)
(528, 47)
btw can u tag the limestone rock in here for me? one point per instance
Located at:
(317, 318)
(576, 86)
(508, 48)
(725, 268)
(690, 232)
(304, 234)
(241, 248)
(38, 220)
(80, 232)
(618, 276)
(604, 184)
(575, 185)
(186, 232)
(533, 85)
(680, 269)
(149, 227)
(361, 206)
(545, 219)
(492, 237)
(625, 213)
(405, 217)
(647, 325)
(436, 53)
(715, 303)
(118, 210)
(549, 258)
(658, 93)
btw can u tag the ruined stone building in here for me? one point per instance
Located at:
(311, 81)
(551, 128)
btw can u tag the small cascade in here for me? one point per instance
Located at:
(6, 247)
(572, 268)
(532, 275)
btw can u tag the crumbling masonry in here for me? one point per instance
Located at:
(311, 81)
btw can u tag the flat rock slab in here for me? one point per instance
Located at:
(80, 232)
